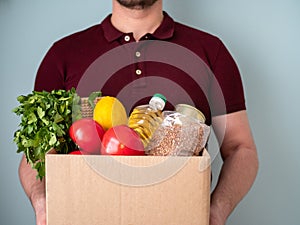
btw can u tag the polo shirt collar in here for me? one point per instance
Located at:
(164, 31)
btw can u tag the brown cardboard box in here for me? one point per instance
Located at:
(127, 190)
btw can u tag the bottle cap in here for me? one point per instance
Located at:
(158, 101)
(160, 96)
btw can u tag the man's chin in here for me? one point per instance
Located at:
(137, 4)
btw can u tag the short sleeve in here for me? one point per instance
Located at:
(50, 74)
(226, 88)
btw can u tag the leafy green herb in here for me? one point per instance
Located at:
(92, 98)
(45, 120)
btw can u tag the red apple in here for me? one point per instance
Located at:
(122, 140)
(87, 134)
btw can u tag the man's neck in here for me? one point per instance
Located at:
(137, 21)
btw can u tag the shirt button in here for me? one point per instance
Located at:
(127, 38)
(138, 72)
(138, 54)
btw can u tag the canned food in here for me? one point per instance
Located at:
(189, 110)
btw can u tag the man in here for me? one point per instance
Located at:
(138, 20)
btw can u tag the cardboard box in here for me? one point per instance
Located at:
(127, 190)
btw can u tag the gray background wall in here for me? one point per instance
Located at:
(262, 35)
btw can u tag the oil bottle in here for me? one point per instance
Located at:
(144, 119)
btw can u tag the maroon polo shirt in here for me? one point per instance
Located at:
(185, 64)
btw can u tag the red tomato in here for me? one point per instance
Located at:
(122, 140)
(75, 152)
(87, 134)
(79, 152)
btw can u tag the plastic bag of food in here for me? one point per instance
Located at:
(178, 135)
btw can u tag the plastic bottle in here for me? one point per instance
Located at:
(144, 119)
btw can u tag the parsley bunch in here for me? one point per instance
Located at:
(45, 120)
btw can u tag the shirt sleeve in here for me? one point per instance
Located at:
(226, 89)
(50, 74)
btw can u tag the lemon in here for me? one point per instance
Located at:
(109, 112)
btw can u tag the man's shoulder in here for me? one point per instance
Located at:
(80, 37)
(186, 30)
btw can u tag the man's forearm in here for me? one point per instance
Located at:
(34, 188)
(236, 178)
